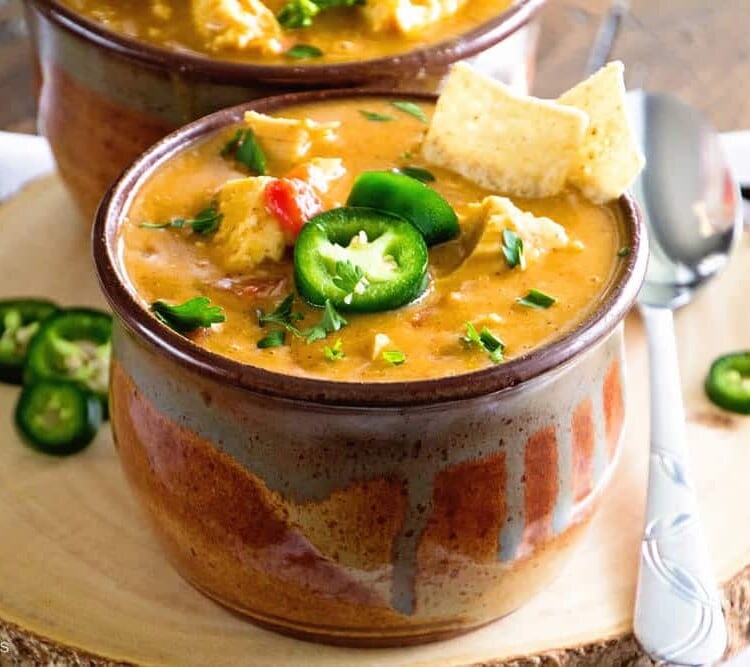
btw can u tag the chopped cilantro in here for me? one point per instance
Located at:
(244, 148)
(205, 222)
(274, 339)
(348, 276)
(330, 322)
(282, 316)
(193, 314)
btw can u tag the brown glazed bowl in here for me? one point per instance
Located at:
(104, 97)
(359, 513)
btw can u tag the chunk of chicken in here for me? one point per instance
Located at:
(248, 233)
(496, 214)
(408, 16)
(289, 138)
(321, 173)
(244, 25)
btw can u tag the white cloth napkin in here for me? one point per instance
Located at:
(23, 157)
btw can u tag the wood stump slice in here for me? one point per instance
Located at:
(83, 582)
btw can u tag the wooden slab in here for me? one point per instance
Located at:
(82, 575)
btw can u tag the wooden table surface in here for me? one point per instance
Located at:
(698, 49)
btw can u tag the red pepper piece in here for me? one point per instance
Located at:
(293, 202)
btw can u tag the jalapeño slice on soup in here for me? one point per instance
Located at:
(361, 259)
(410, 199)
(372, 253)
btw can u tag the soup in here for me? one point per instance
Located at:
(254, 31)
(472, 288)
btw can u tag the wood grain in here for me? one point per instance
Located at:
(87, 584)
(698, 49)
(17, 105)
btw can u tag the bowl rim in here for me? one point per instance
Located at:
(190, 63)
(630, 272)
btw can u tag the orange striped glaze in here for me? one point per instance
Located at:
(363, 528)
(584, 442)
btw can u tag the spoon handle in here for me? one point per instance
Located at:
(678, 615)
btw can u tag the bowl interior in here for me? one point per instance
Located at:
(433, 57)
(615, 303)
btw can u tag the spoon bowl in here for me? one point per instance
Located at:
(690, 202)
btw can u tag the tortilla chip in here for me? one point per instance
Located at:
(609, 158)
(520, 146)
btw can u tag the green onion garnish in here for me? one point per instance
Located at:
(394, 357)
(336, 352)
(375, 116)
(412, 109)
(303, 52)
(485, 340)
(537, 299)
(513, 249)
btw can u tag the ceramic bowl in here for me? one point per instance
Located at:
(359, 513)
(104, 97)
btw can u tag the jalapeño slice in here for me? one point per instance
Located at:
(728, 382)
(19, 321)
(409, 199)
(361, 260)
(57, 417)
(73, 345)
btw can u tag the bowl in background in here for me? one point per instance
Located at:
(105, 97)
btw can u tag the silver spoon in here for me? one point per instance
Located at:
(691, 206)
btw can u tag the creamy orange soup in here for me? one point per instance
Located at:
(341, 34)
(177, 265)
